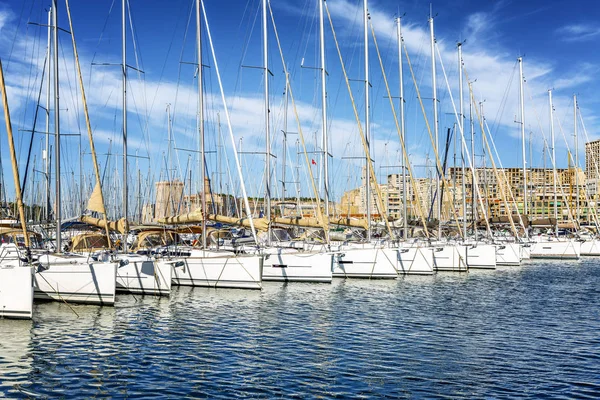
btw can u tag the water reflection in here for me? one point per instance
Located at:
(529, 329)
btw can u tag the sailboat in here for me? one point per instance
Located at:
(69, 277)
(283, 262)
(16, 271)
(553, 247)
(193, 266)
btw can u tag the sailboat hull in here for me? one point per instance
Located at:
(412, 260)
(448, 258)
(213, 269)
(16, 290)
(367, 263)
(479, 256)
(556, 250)
(508, 254)
(73, 281)
(297, 267)
(145, 276)
(590, 248)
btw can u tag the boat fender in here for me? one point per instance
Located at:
(179, 264)
(123, 263)
(403, 250)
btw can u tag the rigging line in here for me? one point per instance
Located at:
(554, 172)
(443, 181)
(139, 63)
(12, 47)
(238, 81)
(500, 112)
(571, 216)
(318, 212)
(225, 108)
(399, 131)
(467, 154)
(514, 202)
(481, 120)
(24, 185)
(372, 179)
(162, 71)
(594, 161)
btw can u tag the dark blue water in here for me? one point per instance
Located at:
(528, 331)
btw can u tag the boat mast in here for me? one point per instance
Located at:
(57, 202)
(473, 167)
(202, 166)
(522, 104)
(576, 158)
(267, 203)
(402, 126)
(367, 120)
(553, 161)
(435, 126)
(285, 128)
(13, 158)
(47, 155)
(324, 110)
(462, 129)
(124, 68)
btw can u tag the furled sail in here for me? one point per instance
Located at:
(191, 217)
(261, 224)
(115, 226)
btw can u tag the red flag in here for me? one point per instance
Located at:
(314, 162)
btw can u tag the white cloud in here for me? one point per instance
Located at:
(578, 32)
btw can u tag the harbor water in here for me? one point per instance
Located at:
(527, 331)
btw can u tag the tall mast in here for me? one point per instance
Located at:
(435, 126)
(324, 110)
(202, 166)
(553, 161)
(576, 158)
(48, 92)
(402, 126)
(462, 130)
(13, 159)
(285, 128)
(267, 125)
(473, 168)
(124, 67)
(57, 201)
(522, 104)
(367, 119)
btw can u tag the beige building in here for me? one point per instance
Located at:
(169, 195)
(592, 167)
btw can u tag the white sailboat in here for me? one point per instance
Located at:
(63, 277)
(291, 264)
(205, 267)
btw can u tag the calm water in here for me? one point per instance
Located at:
(524, 331)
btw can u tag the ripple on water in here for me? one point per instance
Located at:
(515, 332)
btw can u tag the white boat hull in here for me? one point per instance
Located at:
(16, 290)
(413, 260)
(297, 266)
(525, 251)
(213, 269)
(367, 263)
(557, 250)
(448, 258)
(479, 255)
(508, 254)
(73, 281)
(590, 248)
(143, 275)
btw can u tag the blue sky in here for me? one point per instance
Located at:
(557, 40)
